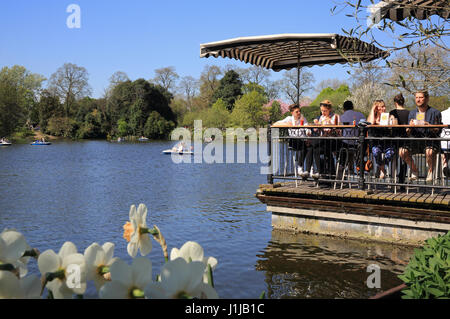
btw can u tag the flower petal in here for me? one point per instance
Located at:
(132, 214)
(15, 245)
(192, 250)
(142, 215)
(94, 255)
(31, 287)
(142, 272)
(108, 248)
(174, 253)
(114, 290)
(121, 272)
(9, 286)
(210, 261)
(132, 248)
(59, 289)
(49, 261)
(155, 290)
(68, 248)
(145, 244)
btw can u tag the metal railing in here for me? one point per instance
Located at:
(363, 157)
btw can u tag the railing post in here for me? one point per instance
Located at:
(269, 152)
(362, 150)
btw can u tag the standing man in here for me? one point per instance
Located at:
(423, 115)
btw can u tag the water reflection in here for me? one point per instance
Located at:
(313, 266)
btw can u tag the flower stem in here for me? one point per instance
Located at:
(210, 276)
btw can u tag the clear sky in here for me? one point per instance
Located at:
(139, 36)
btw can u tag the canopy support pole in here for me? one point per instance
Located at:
(298, 74)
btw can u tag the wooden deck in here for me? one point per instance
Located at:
(415, 206)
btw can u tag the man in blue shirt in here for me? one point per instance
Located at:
(423, 115)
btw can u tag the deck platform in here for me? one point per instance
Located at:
(373, 215)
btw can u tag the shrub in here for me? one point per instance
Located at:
(427, 274)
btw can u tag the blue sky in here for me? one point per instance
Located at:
(139, 36)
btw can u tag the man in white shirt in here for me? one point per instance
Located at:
(296, 119)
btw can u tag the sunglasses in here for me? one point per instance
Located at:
(324, 104)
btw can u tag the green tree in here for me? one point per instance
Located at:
(157, 127)
(248, 111)
(47, 107)
(69, 83)
(275, 113)
(230, 89)
(19, 89)
(217, 116)
(337, 97)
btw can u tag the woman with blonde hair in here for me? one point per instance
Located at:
(379, 147)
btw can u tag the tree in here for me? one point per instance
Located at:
(290, 84)
(337, 97)
(230, 88)
(48, 106)
(69, 83)
(413, 28)
(249, 111)
(166, 77)
(115, 79)
(19, 89)
(189, 86)
(217, 116)
(364, 95)
(275, 113)
(157, 127)
(208, 83)
(409, 25)
(422, 67)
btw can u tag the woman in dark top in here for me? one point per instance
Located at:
(399, 116)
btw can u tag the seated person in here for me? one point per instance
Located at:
(296, 119)
(350, 117)
(379, 147)
(399, 116)
(444, 144)
(423, 115)
(327, 147)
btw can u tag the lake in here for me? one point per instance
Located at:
(82, 192)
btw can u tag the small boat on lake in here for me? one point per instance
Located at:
(41, 143)
(143, 139)
(180, 149)
(5, 142)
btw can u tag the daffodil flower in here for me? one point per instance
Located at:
(12, 247)
(58, 267)
(127, 282)
(192, 251)
(98, 260)
(136, 232)
(180, 279)
(13, 288)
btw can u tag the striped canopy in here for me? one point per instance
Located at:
(398, 10)
(286, 51)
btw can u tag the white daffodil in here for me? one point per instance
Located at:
(12, 247)
(67, 271)
(98, 260)
(192, 251)
(13, 288)
(136, 231)
(180, 279)
(127, 282)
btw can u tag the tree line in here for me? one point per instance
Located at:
(220, 97)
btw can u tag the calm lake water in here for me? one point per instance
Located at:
(82, 192)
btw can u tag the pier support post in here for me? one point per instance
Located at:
(269, 152)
